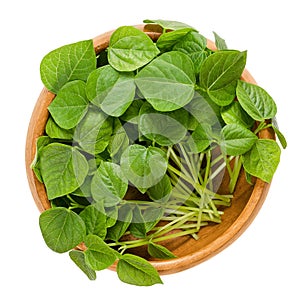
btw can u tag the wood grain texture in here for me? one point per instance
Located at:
(246, 203)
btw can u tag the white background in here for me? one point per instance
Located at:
(264, 262)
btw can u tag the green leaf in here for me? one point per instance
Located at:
(262, 160)
(63, 169)
(152, 215)
(163, 128)
(237, 139)
(168, 39)
(110, 90)
(219, 74)
(136, 270)
(159, 251)
(109, 185)
(119, 141)
(130, 49)
(131, 115)
(167, 82)
(94, 218)
(99, 255)
(41, 142)
(255, 101)
(144, 167)
(235, 114)
(279, 134)
(201, 138)
(56, 132)
(220, 43)
(70, 62)
(120, 227)
(137, 227)
(94, 131)
(161, 191)
(62, 229)
(70, 104)
(166, 24)
(78, 258)
(194, 45)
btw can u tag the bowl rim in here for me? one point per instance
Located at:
(36, 128)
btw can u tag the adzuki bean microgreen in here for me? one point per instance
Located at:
(138, 140)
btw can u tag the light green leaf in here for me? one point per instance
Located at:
(130, 49)
(99, 255)
(62, 229)
(219, 74)
(78, 258)
(166, 24)
(94, 131)
(279, 134)
(94, 218)
(167, 82)
(41, 142)
(235, 114)
(262, 160)
(109, 185)
(255, 101)
(70, 62)
(201, 138)
(159, 251)
(163, 128)
(63, 169)
(237, 139)
(194, 45)
(110, 90)
(70, 104)
(220, 43)
(144, 167)
(56, 132)
(168, 39)
(135, 270)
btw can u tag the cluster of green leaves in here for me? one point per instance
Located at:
(162, 117)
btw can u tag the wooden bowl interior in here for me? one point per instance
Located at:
(213, 238)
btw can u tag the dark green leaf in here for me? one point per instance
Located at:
(131, 115)
(161, 191)
(159, 251)
(255, 101)
(144, 167)
(78, 258)
(262, 160)
(130, 49)
(237, 139)
(63, 169)
(62, 229)
(120, 227)
(110, 90)
(167, 82)
(67, 63)
(70, 104)
(136, 270)
(109, 185)
(201, 138)
(99, 255)
(137, 227)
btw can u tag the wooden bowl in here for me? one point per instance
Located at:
(246, 202)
